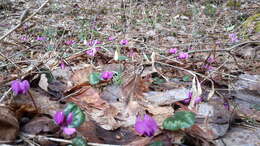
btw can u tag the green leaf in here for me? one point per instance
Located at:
(230, 28)
(157, 143)
(78, 115)
(186, 78)
(122, 58)
(181, 119)
(94, 78)
(79, 141)
(158, 80)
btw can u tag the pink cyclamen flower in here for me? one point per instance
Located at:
(24, 38)
(94, 42)
(207, 67)
(146, 126)
(68, 131)
(70, 42)
(62, 64)
(20, 87)
(123, 42)
(107, 75)
(233, 38)
(226, 105)
(91, 52)
(173, 51)
(59, 117)
(64, 121)
(183, 55)
(111, 38)
(41, 38)
(210, 60)
(187, 100)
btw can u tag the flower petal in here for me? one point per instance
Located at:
(68, 131)
(69, 118)
(25, 86)
(16, 86)
(59, 117)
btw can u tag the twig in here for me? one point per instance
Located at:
(60, 140)
(22, 22)
(224, 50)
(4, 95)
(34, 103)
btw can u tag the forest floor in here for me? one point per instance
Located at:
(192, 66)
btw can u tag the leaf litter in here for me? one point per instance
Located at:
(135, 74)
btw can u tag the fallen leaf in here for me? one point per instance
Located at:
(135, 87)
(81, 75)
(40, 125)
(89, 97)
(167, 97)
(9, 125)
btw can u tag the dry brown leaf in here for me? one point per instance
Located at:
(135, 87)
(89, 97)
(9, 125)
(44, 104)
(40, 125)
(80, 76)
(160, 113)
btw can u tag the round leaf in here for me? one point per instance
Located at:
(78, 115)
(181, 119)
(186, 78)
(157, 143)
(69, 108)
(78, 118)
(79, 141)
(94, 78)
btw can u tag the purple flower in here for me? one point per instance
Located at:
(91, 52)
(20, 87)
(69, 118)
(68, 131)
(187, 100)
(24, 38)
(62, 64)
(146, 126)
(70, 42)
(107, 75)
(226, 105)
(123, 42)
(218, 42)
(64, 121)
(233, 38)
(111, 38)
(59, 117)
(191, 48)
(183, 55)
(41, 38)
(94, 42)
(207, 67)
(173, 51)
(210, 60)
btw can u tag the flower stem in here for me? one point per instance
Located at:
(34, 103)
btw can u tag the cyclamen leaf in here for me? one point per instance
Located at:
(186, 78)
(157, 143)
(181, 119)
(78, 115)
(79, 141)
(94, 78)
(122, 58)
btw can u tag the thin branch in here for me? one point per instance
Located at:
(22, 22)
(60, 140)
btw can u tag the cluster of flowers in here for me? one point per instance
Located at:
(64, 121)
(182, 55)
